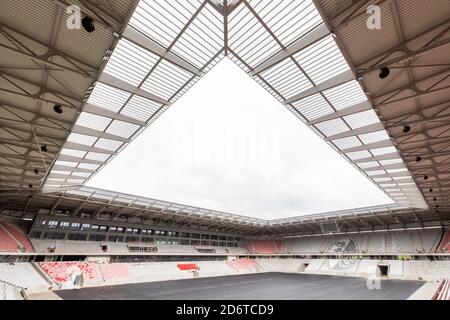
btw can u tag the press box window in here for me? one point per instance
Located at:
(64, 225)
(52, 224)
(75, 226)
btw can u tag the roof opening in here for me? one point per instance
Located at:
(228, 145)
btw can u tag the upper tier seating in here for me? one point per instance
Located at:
(264, 246)
(19, 236)
(444, 246)
(402, 242)
(245, 265)
(7, 243)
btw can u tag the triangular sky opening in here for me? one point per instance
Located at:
(229, 145)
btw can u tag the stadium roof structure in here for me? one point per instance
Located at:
(71, 100)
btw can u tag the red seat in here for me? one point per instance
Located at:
(7, 244)
(444, 246)
(19, 236)
(264, 246)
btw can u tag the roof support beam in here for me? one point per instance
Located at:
(141, 40)
(412, 54)
(93, 109)
(217, 5)
(387, 156)
(304, 42)
(59, 167)
(96, 133)
(374, 145)
(65, 176)
(363, 130)
(41, 59)
(125, 86)
(393, 166)
(83, 147)
(64, 157)
(359, 107)
(393, 174)
(339, 79)
(397, 181)
(51, 182)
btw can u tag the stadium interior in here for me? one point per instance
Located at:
(74, 96)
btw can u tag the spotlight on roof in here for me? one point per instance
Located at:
(425, 178)
(88, 24)
(58, 108)
(384, 72)
(44, 148)
(418, 159)
(36, 171)
(406, 128)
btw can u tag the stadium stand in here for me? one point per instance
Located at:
(426, 270)
(264, 246)
(444, 246)
(114, 271)
(23, 275)
(61, 272)
(235, 250)
(443, 291)
(401, 242)
(283, 265)
(20, 237)
(10, 292)
(7, 242)
(244, 265)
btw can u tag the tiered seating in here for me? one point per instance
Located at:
(444, 246)
(264, 246)
(114, 271)
(60, 272)
(282, 265)
(7, 244)
(235, 250)
(22, 275)
(443, 291)
(187, 266)
(304, 245)
(244, 265)
(430, 239)
(400, 243)
(176, 249)
(19, 236)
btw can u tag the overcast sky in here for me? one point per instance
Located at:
(228, 145)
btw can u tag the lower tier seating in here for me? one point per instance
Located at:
(60, 272)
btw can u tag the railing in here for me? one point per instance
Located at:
(443, 291)
(4, 285)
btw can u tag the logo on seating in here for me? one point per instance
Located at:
(345, 245)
